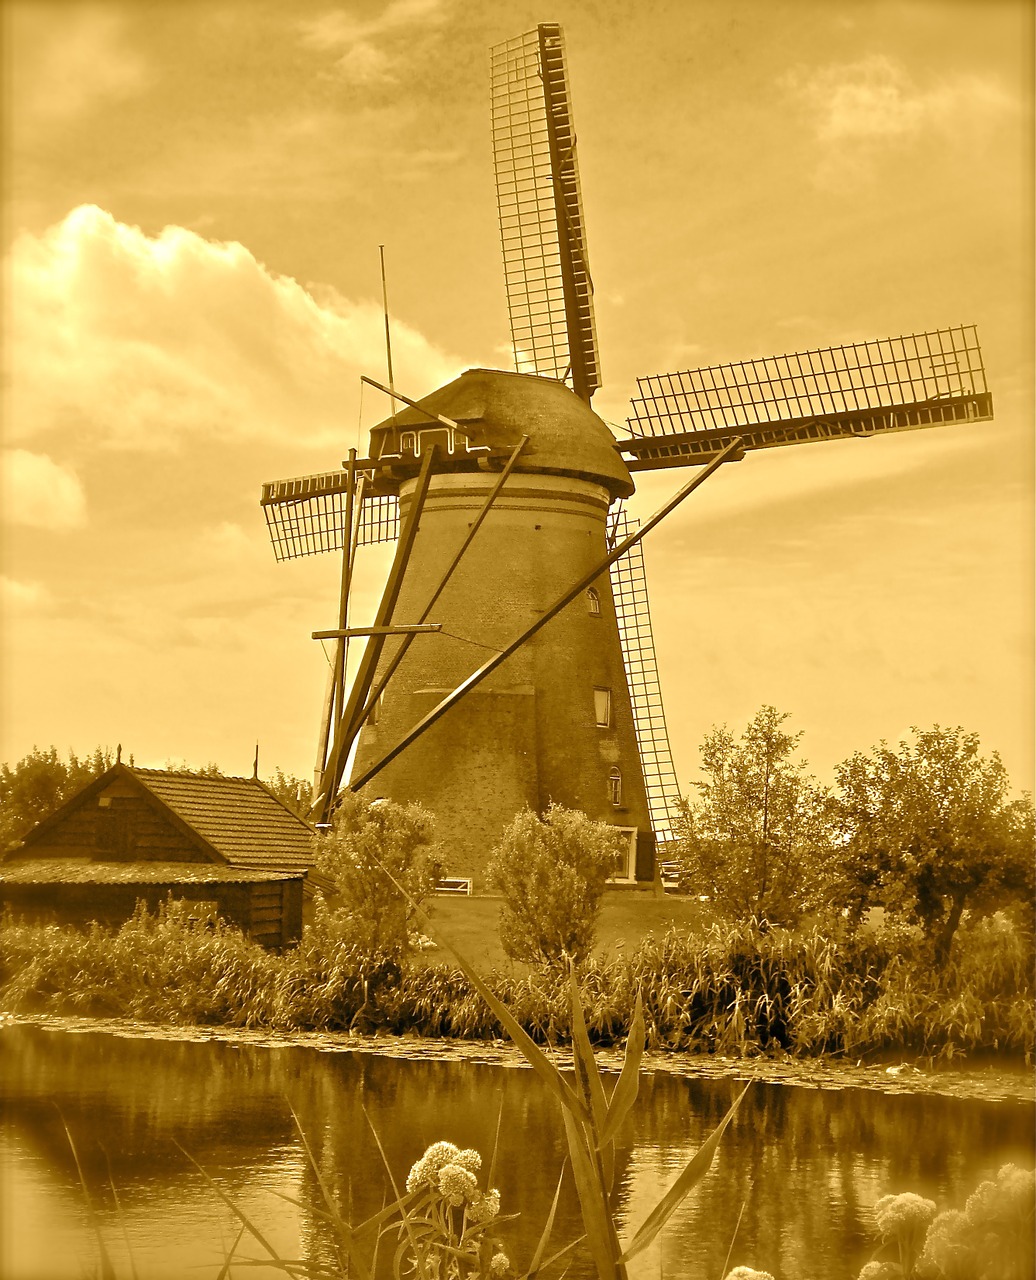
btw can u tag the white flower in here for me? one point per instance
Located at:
(484, 1207)
(903, 1215)
(879, 1271)
(457, 1184)
(499, 1264)
(425, 1173)
(1007, 1200)
(468, 1159)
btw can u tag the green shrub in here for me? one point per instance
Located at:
(368, 839)
(551, 872)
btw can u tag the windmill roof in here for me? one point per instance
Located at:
(233, 820)
(566, 437)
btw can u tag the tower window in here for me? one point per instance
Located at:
(603, 707)
(593, 602)
(615, 787)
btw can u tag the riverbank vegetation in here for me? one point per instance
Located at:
(734, 990)
(789, 960)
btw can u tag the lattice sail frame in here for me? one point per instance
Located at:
(891, 384)
(633, 614)
(306, 516)
(546, 273)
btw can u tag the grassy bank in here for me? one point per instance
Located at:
(726, 990)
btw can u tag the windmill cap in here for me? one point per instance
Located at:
(566, 437)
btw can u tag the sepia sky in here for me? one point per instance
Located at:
(195, 195)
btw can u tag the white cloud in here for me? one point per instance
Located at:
(138, 341)
(337, 30)
(875, 100)
(19, 598)
(365, 64)
(68, 68)
(355, 40)
(228, 543)
(40, 493)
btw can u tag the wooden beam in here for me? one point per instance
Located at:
(400, 653)
(334, 696)
(346, 728)
(402, 629)
(414, 404)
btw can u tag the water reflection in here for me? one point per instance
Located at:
(800, 1167)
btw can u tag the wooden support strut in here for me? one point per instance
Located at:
(476, 524)
(345, 730)
(414, 404)
(403, 629)
(336, 676)
(476, 678)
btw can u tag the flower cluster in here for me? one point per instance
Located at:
(485, 1207)
(748, 1273)
(457, 1184)
(458, 1246)
(991, 1237)
(881, 1271)
(439, 1156)
(904, 1216)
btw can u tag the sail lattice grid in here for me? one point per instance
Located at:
(938, 375)
(547, 279)
(306, 516)
(629, 592)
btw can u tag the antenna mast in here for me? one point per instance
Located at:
(388, 335)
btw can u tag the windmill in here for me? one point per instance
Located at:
(511, 662)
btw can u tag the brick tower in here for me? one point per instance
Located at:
(553, 722)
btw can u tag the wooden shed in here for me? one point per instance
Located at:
(227, 844)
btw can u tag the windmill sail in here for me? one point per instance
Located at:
(629, 592)
(306, 516)
(862, 389)
(549, 291)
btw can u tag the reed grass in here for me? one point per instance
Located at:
(732, 990)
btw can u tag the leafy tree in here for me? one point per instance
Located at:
(210, 770)
(757, 839)
(552, 872)
(369, 838)
(930, 832)
(39, 783)
(296, 793)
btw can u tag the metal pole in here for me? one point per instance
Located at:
(489, 667)
(384, 302)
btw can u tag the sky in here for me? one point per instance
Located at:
(194, 199)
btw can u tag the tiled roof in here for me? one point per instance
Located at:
(70, 871)
(239, 818)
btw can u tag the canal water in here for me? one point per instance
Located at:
(792, 1186)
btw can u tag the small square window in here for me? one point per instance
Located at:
(603, 707)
